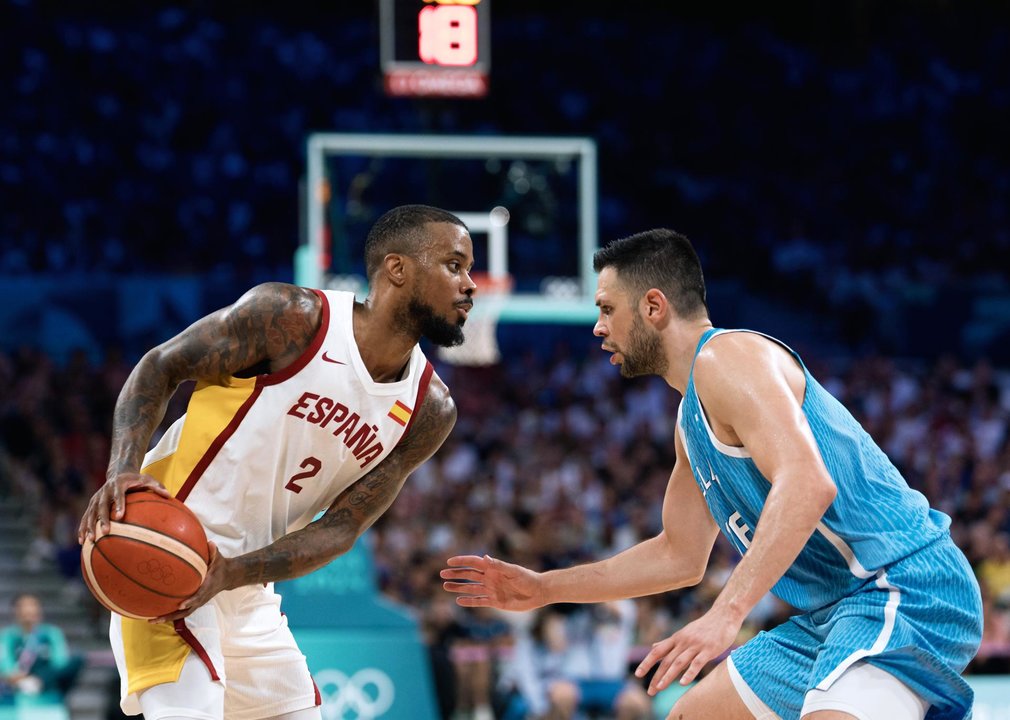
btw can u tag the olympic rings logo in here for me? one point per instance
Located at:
(365, 695)
(156, 570)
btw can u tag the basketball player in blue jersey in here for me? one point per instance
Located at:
(889, 610)
(310, 411)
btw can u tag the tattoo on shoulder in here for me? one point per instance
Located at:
(272, 323)
(435, 420)
(364, 501)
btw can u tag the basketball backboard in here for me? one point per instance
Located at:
(545, 189)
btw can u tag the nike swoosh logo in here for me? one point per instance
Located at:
(329, 359)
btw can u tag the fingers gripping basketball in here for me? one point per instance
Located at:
(150, 561)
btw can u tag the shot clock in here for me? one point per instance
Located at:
(435, 47)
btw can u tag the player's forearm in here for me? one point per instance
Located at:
(792, 511)
(293, 555)
(353, 511)
(139, 409)
(647, 568)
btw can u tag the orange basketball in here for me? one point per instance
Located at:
(151, 560)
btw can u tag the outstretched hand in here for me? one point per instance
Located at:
(688, 650)
(486, 582)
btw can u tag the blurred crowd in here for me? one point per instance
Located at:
(555, 459)
(35, 660)
(862, 138)
(852, 156)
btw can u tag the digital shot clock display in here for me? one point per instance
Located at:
(438, 48)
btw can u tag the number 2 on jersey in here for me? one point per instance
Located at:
(312, 466)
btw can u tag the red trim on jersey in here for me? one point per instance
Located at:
(422, 391)
(190, 639)
(309, 352)
(319, 697)
(219, 441)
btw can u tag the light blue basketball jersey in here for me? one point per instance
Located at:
(875, 520)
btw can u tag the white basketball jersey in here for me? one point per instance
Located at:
(257, 458)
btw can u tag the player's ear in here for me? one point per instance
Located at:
(655, 306)
(394, 265)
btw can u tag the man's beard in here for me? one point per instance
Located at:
(440, 331)
(644, 355)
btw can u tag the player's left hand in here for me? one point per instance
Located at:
(213, 583)
(688, 650)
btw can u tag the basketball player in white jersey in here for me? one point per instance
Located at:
(306, 402)
(889, 612)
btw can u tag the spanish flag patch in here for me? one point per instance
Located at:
(400, 413)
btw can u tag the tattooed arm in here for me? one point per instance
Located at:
(271, 324)
(353, 512)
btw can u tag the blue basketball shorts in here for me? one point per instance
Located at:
(919, 619)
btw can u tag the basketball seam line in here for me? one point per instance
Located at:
(134, 580)
(155, 538)
(97, 589)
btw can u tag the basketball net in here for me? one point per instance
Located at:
(480, 347)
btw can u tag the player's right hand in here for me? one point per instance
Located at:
(112, 495)
(486, 582)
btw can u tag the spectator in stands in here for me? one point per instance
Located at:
(440, 628)
(994, 653)
(34, 657)
(994, 570)
(566, 664)
(474, 657)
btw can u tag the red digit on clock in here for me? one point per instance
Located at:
(447, 35)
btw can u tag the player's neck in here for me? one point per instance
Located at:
(680, 342)
(384, 351)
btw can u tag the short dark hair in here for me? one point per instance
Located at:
(399, 231)
(661, 259)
